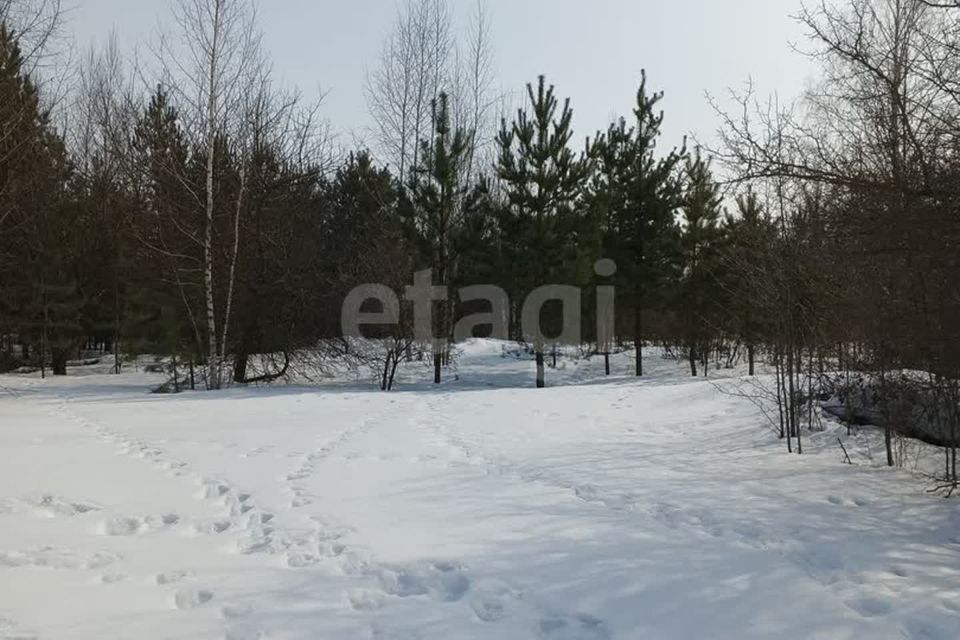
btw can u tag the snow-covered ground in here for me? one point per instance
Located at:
(592, 510)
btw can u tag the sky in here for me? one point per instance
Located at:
(592, 50)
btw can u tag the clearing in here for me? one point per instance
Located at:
(598, 509)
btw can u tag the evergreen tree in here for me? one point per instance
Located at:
(700, 246)
(748, 237)
(439, 200)
(544, 180)
(636, 195)
(38, 286)
(167, 226)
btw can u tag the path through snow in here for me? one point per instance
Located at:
(608, 509)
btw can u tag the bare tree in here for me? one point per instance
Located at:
(213, 68)
(416, 64)
(477, 100)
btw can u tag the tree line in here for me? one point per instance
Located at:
(210, 218)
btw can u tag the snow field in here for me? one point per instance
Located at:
(597, 509)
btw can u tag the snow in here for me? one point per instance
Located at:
(592, 510)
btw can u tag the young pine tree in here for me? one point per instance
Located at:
(439, 199)
(637, 193)
(544, 180)
(700, 246)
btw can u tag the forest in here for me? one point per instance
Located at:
(188, 205)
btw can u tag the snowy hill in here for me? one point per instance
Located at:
(592, 510)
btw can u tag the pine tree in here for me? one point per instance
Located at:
(748, 236)
(544, 181)
(700, 246)
(637, 193)
(36, 247)
(439, 200)
(167, 226)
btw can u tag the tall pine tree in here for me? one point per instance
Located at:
(544, 181)
(637, 194)
(439, 198)
(700, 247)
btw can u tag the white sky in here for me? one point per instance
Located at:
(592, 50)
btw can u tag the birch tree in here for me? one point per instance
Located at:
(219, 47)
(423, 57)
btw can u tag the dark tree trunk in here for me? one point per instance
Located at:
(240, 368)
(693, 361)
(606, 363)
(750, 356)
(638, 340)
(888, 442)
(793, 411)
(393, 372)
(58, 361)
(385, 377)
(540, 373)
(116, 332)
(437, 364)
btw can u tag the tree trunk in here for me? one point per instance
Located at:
(540, 372)
(213, 359)
(393, 371)
(437, 363)
(693, 360)
(233, 260)
(606, 363)
(58, 361)
(385, 377)
(240, 367)
(888, 442)
(116, 330)
(638, 340)
(750, 356)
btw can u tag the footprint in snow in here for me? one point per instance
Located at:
(578, 627)
(56, 558)
(114, 578)
(365, 600)
(132, 526)
(442, 581)
(191, 598)
(951, 605)
(172, 577)
(234, 611)
(869, 607)
(246, 633)
(918, 629)
(212, 527)
(491, 600)
(212, 489)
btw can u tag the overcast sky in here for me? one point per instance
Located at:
(592, 50)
